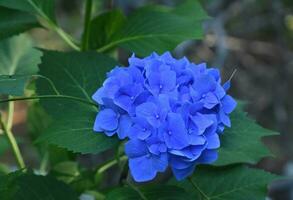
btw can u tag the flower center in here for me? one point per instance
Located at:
(169, 132)
(161, 86)
(157, 116)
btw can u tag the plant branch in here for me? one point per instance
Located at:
(52, 25)
(129, 183)
(10, 114)
(87, 24)
(198, 189)
(110, 164)
(49, 97)
(12, 141)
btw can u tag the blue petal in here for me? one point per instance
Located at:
(146, 110)
(219, 91)
(168, 80)
(224, 118)
(207, 157)
(107, 120)
(145, 168)
(195, 139)
(213, 141)
(176, 134)
(181, 174)
(124, 126)
(179, 162)
(150, 112)
(136, 75)
(158, 148)
(191, 152)
(141, 169)
(126, 96)
(136, 148)
(227, 85)
(201, 121)
(204, 84)
(210, 100)
(133, 61)
(141, 129)
(99, 95)
(228, 104)
(215, 73)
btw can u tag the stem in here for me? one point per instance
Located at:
(87, 24)
(13, 143)
(51, 25)
(10, 114)
(49, 81)
(110, 164)
(49, 97)
(198, 189)
(128, 182)
(44, 163)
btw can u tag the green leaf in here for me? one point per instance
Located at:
(13, 22)
(44, 8)
(18, 61)
(4, 144)
(154, 192)
(79, 75)
(27, 186)
(150, 29)
(242, 142)
(104, 27)
(226, 183)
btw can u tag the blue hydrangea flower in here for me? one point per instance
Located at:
(170, 111)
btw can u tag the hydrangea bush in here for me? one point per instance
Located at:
(156, 115)
(171, 111)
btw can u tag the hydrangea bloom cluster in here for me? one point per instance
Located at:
(171, 111)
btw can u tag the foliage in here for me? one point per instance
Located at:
(61, 121)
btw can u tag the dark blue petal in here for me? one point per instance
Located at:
(207, 157)
(181, 174)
